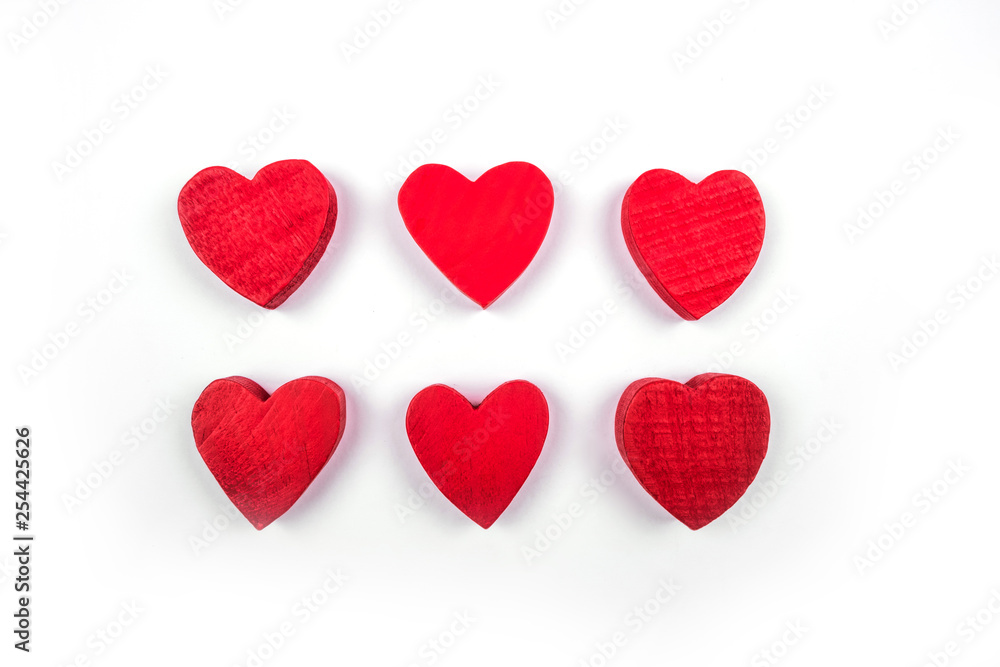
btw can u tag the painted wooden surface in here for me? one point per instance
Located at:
(262, 237)
(264, 450)
(695, 447)
(694, 242)
(479, 456)
(480, 234)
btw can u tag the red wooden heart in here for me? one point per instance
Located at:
(261, 237)
(695, 243)
(481, 235)
(479, 456)
(696, 447)
(265, 451)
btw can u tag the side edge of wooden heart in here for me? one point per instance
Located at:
(644, 267)
(341, 397)
(621, 414)
(315, 467)
(317, 252)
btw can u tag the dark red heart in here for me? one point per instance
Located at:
(695, 243)
(481, 235)
(479, 456)
(266, 451)
(262, 237)
(695, 448)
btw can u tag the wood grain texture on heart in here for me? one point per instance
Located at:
(694, 242)
(264, 450)
(481, 235)
(695, 447)
(479, 456)
(262, 237)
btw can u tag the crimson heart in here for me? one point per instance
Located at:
(695, 243)
(481, 235)
(479, 456)
(266, 451)
(695, 448)
(262, 237)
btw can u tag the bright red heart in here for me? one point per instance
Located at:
(262, 237)
(695, 243)
(266, 451)
(695, 448)
(481, 235)
(479, 456)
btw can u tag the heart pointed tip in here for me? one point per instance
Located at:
(483, 302)
(695, 524)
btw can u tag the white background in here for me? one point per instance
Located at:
(795, 560)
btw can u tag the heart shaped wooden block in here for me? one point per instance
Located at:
(695, 243)
(266, 451)
(479, 456)
(481, 235)
(262, 237)
(695, 448)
